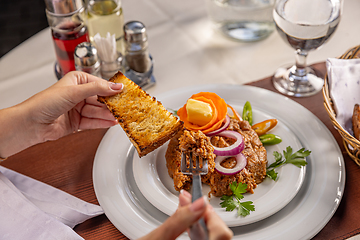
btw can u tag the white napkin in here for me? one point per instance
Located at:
(344, 88)
(30, 209)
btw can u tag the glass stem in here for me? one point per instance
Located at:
(300, 58)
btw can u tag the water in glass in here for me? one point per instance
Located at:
(305, 25)
(243, 20)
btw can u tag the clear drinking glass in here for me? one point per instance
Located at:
(242, 20)
(305, 25)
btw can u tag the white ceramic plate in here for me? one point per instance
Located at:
(153, 180)
(302, 218)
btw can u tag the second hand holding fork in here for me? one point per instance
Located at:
(198, 231)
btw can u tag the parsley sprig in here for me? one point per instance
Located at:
(297, 159)
(232, 202)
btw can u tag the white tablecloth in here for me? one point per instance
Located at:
(185, 49)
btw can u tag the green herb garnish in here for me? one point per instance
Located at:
(232, 202)
(297, 159)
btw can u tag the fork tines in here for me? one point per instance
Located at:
(200, 166)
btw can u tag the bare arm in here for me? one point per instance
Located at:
(67, 106)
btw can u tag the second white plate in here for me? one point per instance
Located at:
(269, 197)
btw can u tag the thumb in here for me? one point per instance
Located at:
(101, 88)
(184, 217)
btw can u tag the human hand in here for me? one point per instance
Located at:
(218, 230)
(67, 106)
(187, 214)
(71, 105)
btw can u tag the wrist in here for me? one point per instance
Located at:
(16, 132)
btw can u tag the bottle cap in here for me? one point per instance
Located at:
(85, 55)
(63, 6)
(135, 32)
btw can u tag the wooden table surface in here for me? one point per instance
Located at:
(67, 164)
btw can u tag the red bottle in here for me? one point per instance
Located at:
(68, 29)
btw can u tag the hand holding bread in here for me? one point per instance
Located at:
(145, 120)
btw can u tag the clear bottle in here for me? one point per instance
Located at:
(105, 16)
(68, 29)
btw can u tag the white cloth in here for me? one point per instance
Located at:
(30, 209)
(344, 88)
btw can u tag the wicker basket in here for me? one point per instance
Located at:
(352, 145)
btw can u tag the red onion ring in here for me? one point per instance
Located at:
(241, 163)
(222, 128)
(235, 148)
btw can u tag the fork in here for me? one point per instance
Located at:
(198, 230)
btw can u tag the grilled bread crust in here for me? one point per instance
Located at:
(356, 121)
(145, 120)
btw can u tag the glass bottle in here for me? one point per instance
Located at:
(68, 29)
(106, 16)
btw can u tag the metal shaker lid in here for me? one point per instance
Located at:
(63, 6)
(135, 32)
(85, 55)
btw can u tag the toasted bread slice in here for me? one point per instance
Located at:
(356, 121)
(145, 120)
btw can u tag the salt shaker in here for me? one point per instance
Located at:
(86, 59)
(138, 64)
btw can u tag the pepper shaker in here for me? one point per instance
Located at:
(138, 64)
(86, 59)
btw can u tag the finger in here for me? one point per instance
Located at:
(184, 217)
(101, 88)
(80, 85)
(93, 100)
(78, 78)
(91, 111)
(91, 123)
(87, 78)
(184, 198)
(216, 226)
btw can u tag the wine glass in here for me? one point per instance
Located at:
(305, 25)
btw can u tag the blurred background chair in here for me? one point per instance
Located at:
(19, 20)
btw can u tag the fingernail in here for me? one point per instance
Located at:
(185, 193)
(199, 204)
(116, 86)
